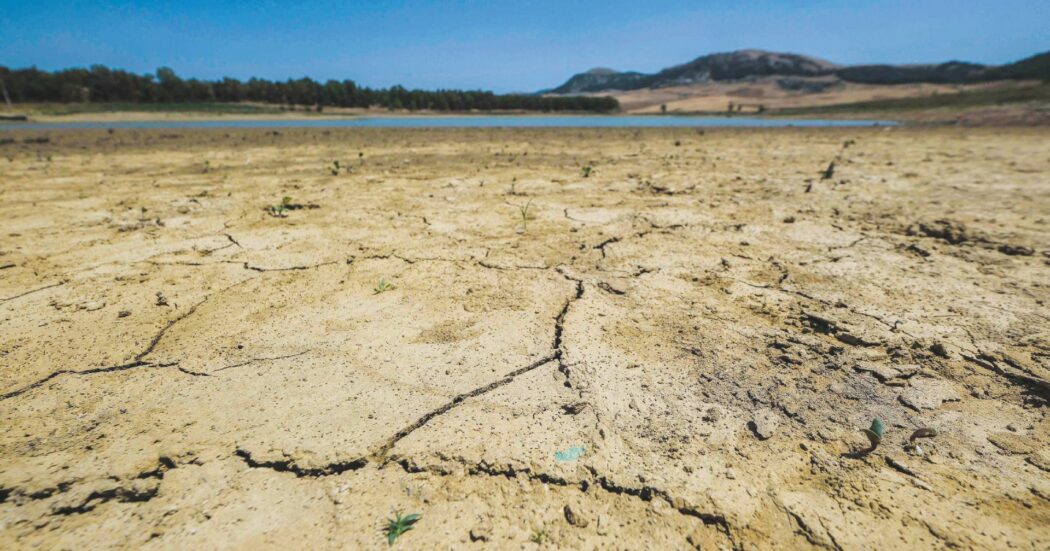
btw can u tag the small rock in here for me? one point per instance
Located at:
(574, 518)
(124, 313)
(1015, 250)
(659, 507)
(900, 465)
(712, 415)
(93, 305)
(924, 432)
(765, 423)
(873, 355)
(884, 373)
(948, 230)
(161, 299)
(575, 408)
(928, 394)
(1040, 459)
(1011, 443)
(481, 533)
(603, 525)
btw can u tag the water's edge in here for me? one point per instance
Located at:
(570, 121)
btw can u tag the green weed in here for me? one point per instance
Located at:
(383, 286)
(280, 210)
(399, 525)
(524, 211)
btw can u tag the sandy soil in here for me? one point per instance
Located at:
(680, 350)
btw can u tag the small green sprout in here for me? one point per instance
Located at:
(281, 210)
(524, 211)
(586, 171)
(399, 525)
(335, 168)
(383, 286)
(538, 537)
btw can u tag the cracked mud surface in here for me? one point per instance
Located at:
(713, 323)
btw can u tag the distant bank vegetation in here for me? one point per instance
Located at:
(100, 84)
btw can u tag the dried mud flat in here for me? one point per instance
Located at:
(711, 318)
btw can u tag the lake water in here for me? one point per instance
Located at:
(473, 121)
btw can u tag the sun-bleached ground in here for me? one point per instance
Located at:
(680, 349)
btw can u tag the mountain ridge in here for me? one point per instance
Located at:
(754, 63)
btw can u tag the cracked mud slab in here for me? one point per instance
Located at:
(680, 350)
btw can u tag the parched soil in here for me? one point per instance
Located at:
(681, 349)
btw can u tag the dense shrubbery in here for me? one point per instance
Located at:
(102, 84)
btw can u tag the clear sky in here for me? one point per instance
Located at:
(500, 45)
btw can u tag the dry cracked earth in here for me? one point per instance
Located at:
(681, 349)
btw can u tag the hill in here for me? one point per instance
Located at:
(755, 64)
(1035, 67)
(602, 79)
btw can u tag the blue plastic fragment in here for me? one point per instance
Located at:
(571, 454)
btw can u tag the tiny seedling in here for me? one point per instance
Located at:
(538, 537)
(524, 211)
(399, 525)
(335, 168)
(586, 171)
(207, 166)
(383, 286)
(280, 210)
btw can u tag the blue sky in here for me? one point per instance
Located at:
(500, 45)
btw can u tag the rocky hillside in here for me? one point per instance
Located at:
(1035, 67)
(749, 64)
(742, 64)
(603, 79)
(953, 72)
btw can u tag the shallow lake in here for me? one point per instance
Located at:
(470, 121)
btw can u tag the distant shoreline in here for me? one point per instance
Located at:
(988, 114)
(479, 121)
(190, 115)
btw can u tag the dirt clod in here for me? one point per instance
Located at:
(574, 518)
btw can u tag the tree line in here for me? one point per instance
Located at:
(101, 84)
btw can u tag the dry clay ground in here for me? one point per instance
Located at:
(712, 318)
